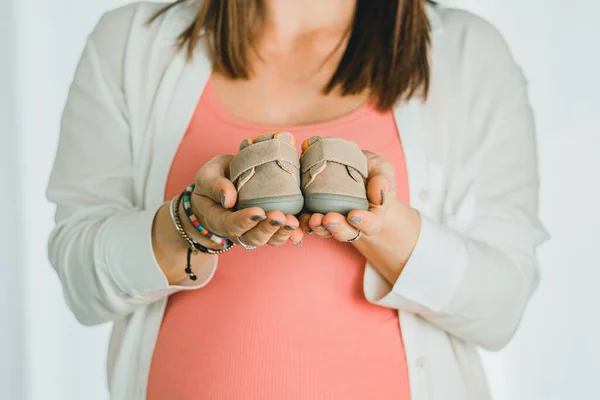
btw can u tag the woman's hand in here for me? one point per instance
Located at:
(381, 192)
(390, 227)
(211, 203)
(213, 199)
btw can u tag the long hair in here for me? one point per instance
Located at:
(386, 53)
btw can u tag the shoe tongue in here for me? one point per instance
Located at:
(245, 143)
(264, 137)
(313, 139)
(283, 136)
(286, 137)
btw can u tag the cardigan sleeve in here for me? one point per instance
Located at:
(101, 245)
(474, 274)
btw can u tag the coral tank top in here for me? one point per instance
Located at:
(280, 323)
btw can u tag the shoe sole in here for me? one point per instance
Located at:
(324, 203)
(289, 205)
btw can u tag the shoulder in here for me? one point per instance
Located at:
(470, 54)
(475, 77)
(126, 37)
(135, 17)
(458, 20)
(116, 25)
(471, 37)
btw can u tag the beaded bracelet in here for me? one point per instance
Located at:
(194, 246)
(187, 207)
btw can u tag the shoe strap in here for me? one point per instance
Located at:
(335, 150)
(262, 153)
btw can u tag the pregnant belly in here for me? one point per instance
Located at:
(277, 324)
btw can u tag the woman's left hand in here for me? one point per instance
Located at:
(390, 226)
(381, 192)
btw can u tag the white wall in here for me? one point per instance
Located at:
(555, 355)
(12, 348)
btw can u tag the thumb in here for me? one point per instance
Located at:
(378, 190)
(212, 181)
(381, 180)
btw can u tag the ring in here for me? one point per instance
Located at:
(358, 236)
(244, 245)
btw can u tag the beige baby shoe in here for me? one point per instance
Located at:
(334, 172)
(266, 172)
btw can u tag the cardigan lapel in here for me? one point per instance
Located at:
(410, 128)
(408, 116)
(176, 101)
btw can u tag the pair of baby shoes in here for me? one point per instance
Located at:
(330, 175)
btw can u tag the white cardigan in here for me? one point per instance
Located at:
(471, 158)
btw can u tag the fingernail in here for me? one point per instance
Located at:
(319, 227)
(258, 218)
(355, 220)
(277, 223)
(223, 200)
(298, 244)
(383, 194)
(330, 226)
(308, 232)
(290, 228)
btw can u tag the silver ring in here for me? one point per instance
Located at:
(358, 236)
(244, 245)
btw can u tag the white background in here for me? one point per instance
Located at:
(46, 355)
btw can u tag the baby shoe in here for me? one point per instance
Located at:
(266, 173)
(334, 173)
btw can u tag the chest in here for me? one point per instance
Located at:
(276, 96)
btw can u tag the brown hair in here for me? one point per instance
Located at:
(387, 50)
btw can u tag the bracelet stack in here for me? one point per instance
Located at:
(194, 246)
(187, 208)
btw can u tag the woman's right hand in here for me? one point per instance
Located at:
(213, 199)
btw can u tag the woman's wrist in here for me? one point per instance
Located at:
(403, 225)
(170, 249)
(193, 233)
(390, 250)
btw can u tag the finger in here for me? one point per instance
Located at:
(339, 227)
(382, 179)
(212, 181)
(367, 222)
(225, 222)
(315, 224)
(239, 222)
(284, 233)
(373, 220)
(297, 234)
(262, 233)
(304, 218)
(297, 237)
(378, 190)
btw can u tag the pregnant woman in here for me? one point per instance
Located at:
(386, 303)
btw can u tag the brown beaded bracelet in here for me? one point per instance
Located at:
(194, 246)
